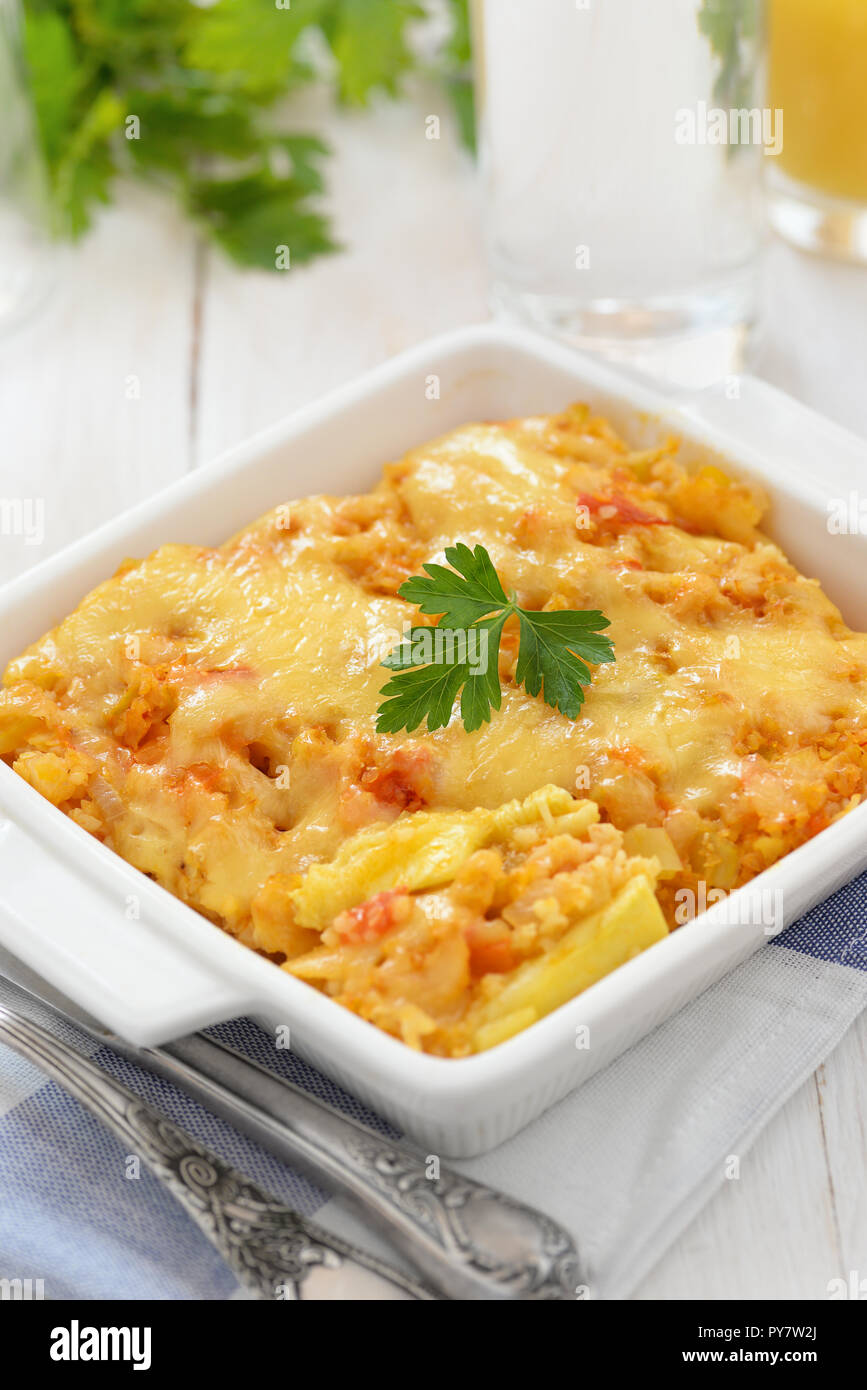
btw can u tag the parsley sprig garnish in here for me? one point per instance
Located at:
(189, 95)
(474, 608)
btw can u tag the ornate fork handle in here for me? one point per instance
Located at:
(469, 1241)
(272, 1251)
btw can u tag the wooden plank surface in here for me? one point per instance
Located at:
(404, 207)
(95, 388)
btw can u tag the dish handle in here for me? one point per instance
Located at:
(84, 928)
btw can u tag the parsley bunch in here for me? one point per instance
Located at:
(202, 82)
(474, 605)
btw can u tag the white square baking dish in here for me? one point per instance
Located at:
(153, 969)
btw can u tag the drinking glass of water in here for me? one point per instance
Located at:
(622, 146)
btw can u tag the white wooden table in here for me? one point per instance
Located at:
(154, 354)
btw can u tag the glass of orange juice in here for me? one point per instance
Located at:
(818, 78)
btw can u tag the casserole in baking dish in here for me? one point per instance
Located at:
(210, 714)
(152, 968)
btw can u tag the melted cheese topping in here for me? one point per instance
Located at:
(210, 714)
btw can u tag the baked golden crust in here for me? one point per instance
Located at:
(210, 715)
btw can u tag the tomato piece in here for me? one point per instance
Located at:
(619, 509)
(403, 779)
(490, 947)
(371, 920)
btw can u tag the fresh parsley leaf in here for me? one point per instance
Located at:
(180, 126)
(369, 42)
(730, 26)
(463, 99)
(401, 658)
(458, 63)
(460, 597)
(432, 688)
(86, 168)
(432, 665)
(547, 665)
(459, 46)
(253, 215)
(250, 43)
(574, 628)
(481, 692)
(305, 153)
(56, 77)
(428, 690)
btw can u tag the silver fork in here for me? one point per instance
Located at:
(467, 1240)
(273, 1252)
